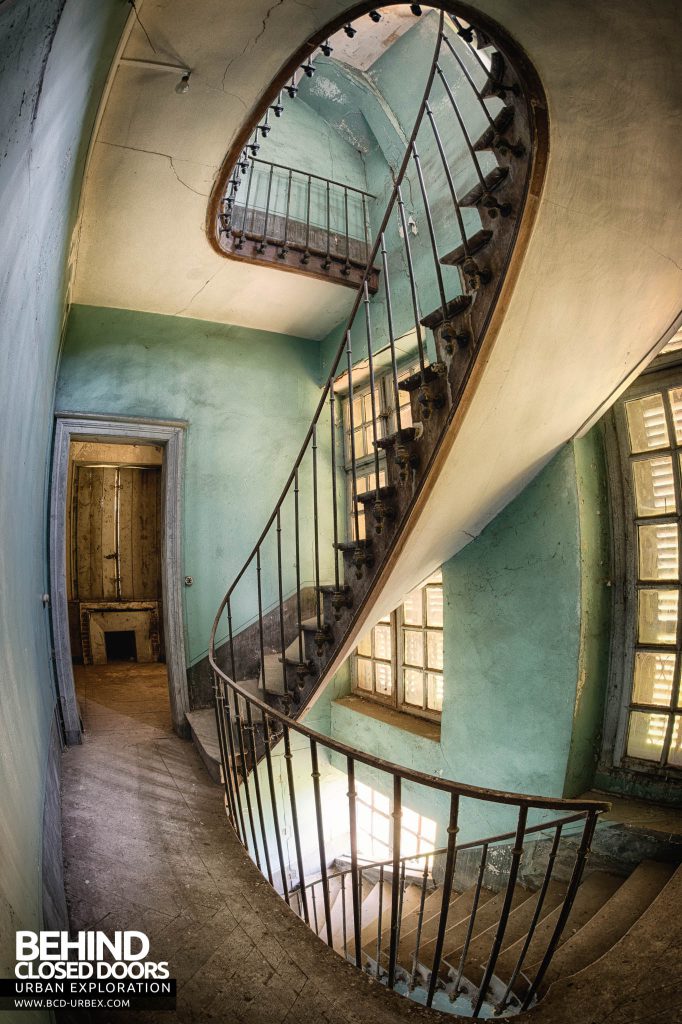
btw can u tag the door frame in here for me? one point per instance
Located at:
(170, 434)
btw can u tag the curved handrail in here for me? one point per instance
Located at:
(235, 706)
(342, 347)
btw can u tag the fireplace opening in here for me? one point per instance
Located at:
(120, 645)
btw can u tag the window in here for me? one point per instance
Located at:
(375, 827)
(363, 438)
(649, 431)
(400, 661)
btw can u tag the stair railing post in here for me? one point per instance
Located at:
(472, 919)
(450, 860)
(297, 529)
(245, 776)
(378, 506)
(432, 232)
(353, 829)
(533, 924)
(264, 241)
(576, 878)
(413, 283)
(261, 644)
(229, 734)
(391, 332)
(280, 594)
(380, 919)
(240, 241)
(222, 743)
(351, 423)
(275, 813)
(449, 179)
(316, 537)
(420, 924)
(335, 511)
(315, 774)
(463, 127)
(396, 838)
(250, 729)
(516, 855)
(288, 757)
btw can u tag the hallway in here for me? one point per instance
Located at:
(147, 847)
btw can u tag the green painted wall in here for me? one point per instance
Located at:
(53, 61)
(248, 397)
(526, 627)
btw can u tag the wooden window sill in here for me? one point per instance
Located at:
(428, 730)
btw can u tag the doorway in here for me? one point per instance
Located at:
(115, 560)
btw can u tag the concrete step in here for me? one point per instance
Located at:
(272, 677)
(518, 923)
(487, 916)
(636, 980)
(611, 921)
(205, 738)
(594, 892)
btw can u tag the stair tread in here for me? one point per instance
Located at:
(612, 920)
(454, 308)
(410, 915)
(518, 924)
(369, 496)
(486, 916)
(594, 891)
(432, 372)
(474, 245)
(493, 179)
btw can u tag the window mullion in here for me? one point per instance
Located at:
(677, 483)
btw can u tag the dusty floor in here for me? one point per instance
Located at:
(147, 847)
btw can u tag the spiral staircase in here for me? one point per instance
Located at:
(466, 929)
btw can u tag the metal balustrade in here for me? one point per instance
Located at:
(298, 219)
(475, 151)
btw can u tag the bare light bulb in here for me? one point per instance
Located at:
(183, 84)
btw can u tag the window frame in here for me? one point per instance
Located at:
(659, 378)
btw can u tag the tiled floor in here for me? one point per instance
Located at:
(147, 847)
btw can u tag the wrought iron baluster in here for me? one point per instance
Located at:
(449, 179)
(305, 258)
(420, 924)
(245, 775)
(327, 261)
(250, 729)
(380, 919)
(275, 813)
(239, 244)
(319, 635)
(365, 224)
(467, 35)
(413, 283)
(280, 594)
(533, 924)
(472, 918)
(222, 743)
(314, 896)
(397, 818)
(261, 645)
(288, 757)
(400, 901)
(343, 912)
(378, 510)
(450, 860)
(391, 332)
(470, 80)
(351, 422)
(228, 729)
(260, 248)
(320, 840)
(517, 853)
(299, 612)
(465, 132)
(335, 513)
(576, 877)
(432, 233)
(355, 881)
(284, 250)
(346, 269)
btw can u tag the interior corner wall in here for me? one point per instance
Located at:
(54, 57)
(514, 654)
(248, 398)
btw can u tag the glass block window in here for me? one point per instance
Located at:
(650, 430)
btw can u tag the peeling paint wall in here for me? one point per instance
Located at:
(54, 55)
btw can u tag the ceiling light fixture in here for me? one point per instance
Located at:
(183, 85)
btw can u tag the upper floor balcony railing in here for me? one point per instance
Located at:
(299, 221)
